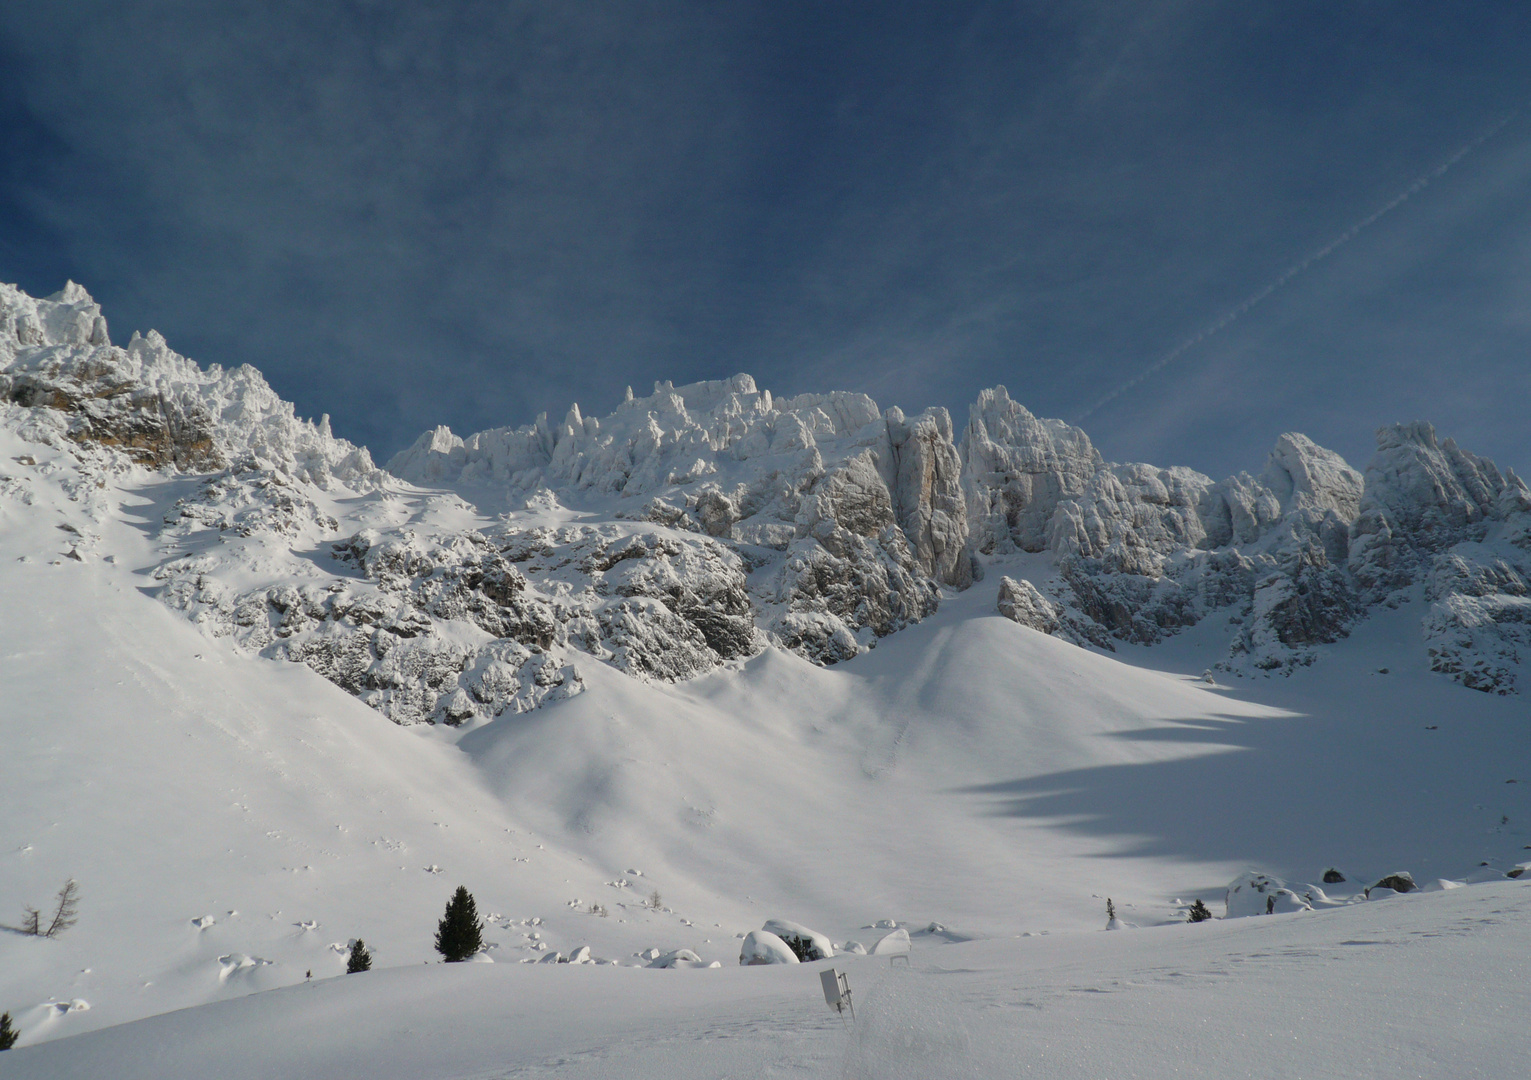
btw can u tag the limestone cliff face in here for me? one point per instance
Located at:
(927, 491)
(1016, 470)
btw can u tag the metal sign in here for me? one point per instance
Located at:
(837, 991)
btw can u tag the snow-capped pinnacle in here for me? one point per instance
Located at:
(153, 404)
(1300, 474)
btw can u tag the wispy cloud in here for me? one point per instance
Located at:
(468, 212)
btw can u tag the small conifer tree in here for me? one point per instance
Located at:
(65, 910)
(1198, 913)
(459, 933)
(8, 1034)
(1110, 910)
(360, 960)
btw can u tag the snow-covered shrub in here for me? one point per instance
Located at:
(808, 945)
(764, 947)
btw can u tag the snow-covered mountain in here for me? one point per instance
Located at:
(701, 524)
(798, 658)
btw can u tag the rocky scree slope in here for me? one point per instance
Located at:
(703, 523)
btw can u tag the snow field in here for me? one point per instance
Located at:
(1421, 986)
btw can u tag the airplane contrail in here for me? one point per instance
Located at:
(1300, 268)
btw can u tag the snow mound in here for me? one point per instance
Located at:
(238, 964)
(909, 1029)
(678, 958)
(894, 944)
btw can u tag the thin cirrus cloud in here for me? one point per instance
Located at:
(410, 214)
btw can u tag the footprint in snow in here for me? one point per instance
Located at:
(61, 1007)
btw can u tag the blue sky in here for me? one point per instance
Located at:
(417, 213)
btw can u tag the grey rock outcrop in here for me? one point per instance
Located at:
(1023, 603)
(1435, 514)
(1020, 602)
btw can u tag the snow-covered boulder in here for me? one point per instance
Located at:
(1400, 881)
(1260, 894)
(1441, 885)
(807, 944)
(764, 947)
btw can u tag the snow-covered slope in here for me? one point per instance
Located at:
(658, 676)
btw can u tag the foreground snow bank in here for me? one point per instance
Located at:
(1426, 985)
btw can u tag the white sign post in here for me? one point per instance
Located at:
(837, 991)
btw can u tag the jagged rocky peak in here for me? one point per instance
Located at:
(1435, 514)
(646, 444)
(68, 317)
(869, 505)
(1433, 492)
(151, 403)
